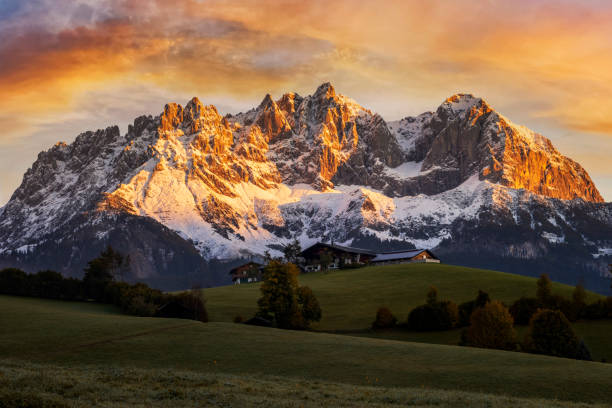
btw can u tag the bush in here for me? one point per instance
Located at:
(600, 309)
(47, 284)
(384, 319)
(551, 333)
(466, 308)
(238, 319)
(309, 305)
(194, 302)
(491, 326)
(14, 281)
(354, 265)
(139, 306)
(434, 316)
(523, 309)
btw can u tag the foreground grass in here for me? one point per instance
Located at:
(57, 386)
(78, 337)
(349, 298)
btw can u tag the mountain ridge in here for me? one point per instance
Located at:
(313, 167)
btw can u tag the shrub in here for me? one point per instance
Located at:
(138, 306)
(491, 326)
(523, 308)
(47, 284)
(354, 265)
(556, 302)
(433, 316)
(14, 281)
(238, 319)
(309, 305)
(466, 308)
(600, 309)
(551, 333)
(384, 319)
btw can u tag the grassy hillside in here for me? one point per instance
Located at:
(349, 298)
(111, 350)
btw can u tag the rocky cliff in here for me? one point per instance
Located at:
(206, 188)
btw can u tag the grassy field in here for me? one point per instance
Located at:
(349, 298)
(61, 350)
(57, 386)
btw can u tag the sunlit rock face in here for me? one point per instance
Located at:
(462, 180)
(466, 136)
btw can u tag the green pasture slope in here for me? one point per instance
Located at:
(349, 298)
(57, 354)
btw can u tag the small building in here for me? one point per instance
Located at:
(316, 256)
(334, 256)
(247, 273)
(409, 256)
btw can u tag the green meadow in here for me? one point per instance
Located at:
(56, 354)
(349, 298)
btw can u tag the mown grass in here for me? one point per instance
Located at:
(57, 386)
(81, 338)
(349, 298)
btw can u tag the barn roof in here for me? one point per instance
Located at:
(251, 263)
(391, 256)
(340, 248)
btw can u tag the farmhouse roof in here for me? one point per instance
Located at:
(251, 263)
(391, 256)
(341, 248)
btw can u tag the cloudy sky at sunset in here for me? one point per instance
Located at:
(69, 66)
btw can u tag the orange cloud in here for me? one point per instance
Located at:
(540, 62)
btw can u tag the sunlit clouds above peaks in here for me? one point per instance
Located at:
(544, 64)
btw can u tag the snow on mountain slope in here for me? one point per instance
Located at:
(315, 167)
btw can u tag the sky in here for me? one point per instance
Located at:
(67, 66)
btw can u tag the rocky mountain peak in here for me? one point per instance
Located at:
(289, 102)
(324, 91)
(171, 117)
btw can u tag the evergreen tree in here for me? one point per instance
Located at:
(292, 251)
(101, 271)
(284, 301)
(309, 306)
(432, 295)
(278, 294)
(544, 291)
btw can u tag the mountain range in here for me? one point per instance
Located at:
(189, 193)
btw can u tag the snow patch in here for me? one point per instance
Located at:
(553, 238)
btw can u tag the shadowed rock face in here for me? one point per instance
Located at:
(223, 186)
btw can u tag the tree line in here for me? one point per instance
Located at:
(102, 282)
(490, 324)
